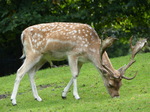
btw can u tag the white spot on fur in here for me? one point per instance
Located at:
(74, 31)
(40, 36)
(79, 31)
(67, 29)
(64, 33)
(39, 43)
(86, 45)
(80, 37)
(74, 36)
(31, 29)
(71, 26)
(93, 50)
(86, 34)
(83, 42)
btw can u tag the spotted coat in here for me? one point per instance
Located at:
(60, 39)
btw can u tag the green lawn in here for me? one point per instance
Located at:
(135, 94)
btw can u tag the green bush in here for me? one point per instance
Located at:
(118, 18)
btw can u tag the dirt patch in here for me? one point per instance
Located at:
(53, 85)
(40, 87)
(3, 96)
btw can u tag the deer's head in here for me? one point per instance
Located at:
(113, 78)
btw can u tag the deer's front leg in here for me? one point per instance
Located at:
(66, 89)
(73, 63)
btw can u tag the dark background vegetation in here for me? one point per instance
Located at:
(119, 18)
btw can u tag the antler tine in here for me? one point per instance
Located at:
(124, 77)
(104, 45)
(110, 71)
(135, 49)
(132, 57)
(131, 46)
(139, 45)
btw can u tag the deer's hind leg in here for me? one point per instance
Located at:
(26, 67)
(31, 77)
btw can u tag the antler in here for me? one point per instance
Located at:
(105, 44)
(135, 49)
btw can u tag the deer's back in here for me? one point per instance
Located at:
(61, 38)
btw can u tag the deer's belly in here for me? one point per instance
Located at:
(55, 56)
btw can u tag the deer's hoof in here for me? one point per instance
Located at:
(63, 97)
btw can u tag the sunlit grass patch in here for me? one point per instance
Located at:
(135, 94)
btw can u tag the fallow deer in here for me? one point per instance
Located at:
(79, 43)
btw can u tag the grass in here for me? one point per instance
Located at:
(135, 94)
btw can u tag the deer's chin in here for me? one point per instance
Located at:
(115, 95)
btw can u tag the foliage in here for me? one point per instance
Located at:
(119, 18)
(134, 94)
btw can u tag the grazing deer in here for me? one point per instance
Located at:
(79, 43)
